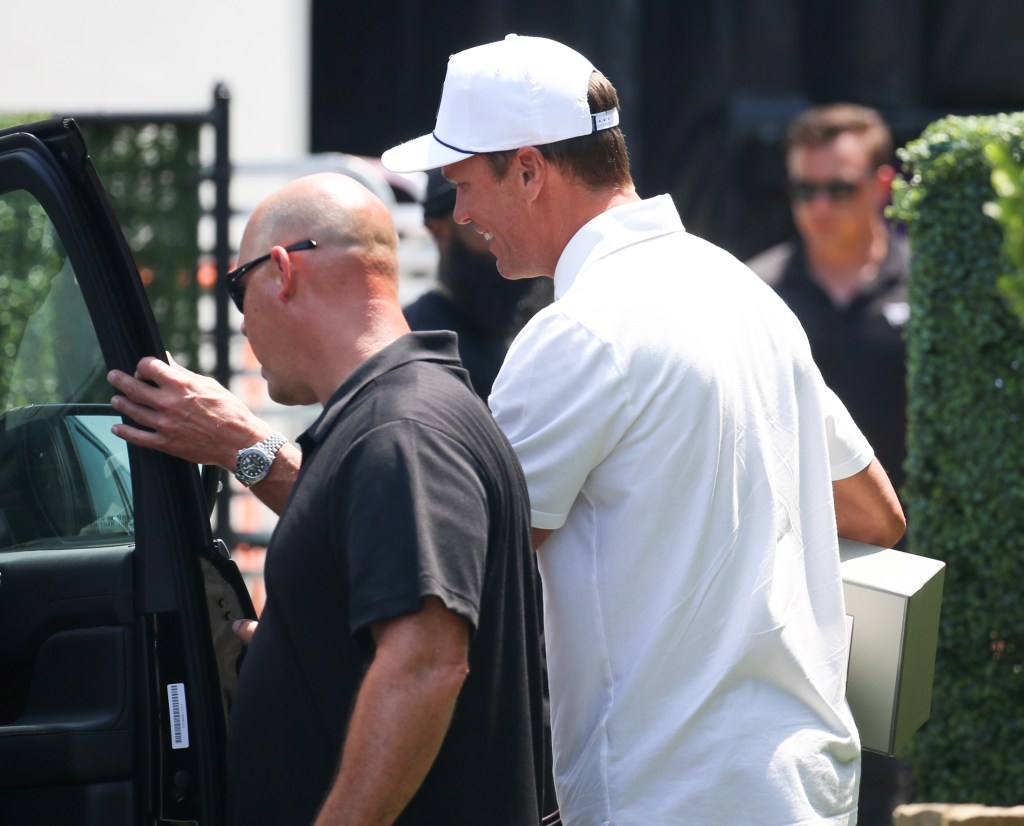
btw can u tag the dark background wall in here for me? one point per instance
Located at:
(707, 85)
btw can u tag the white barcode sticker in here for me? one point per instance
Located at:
(178, 716)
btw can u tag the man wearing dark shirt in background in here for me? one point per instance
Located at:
(483, 309)
(845, 278)
(845, 274)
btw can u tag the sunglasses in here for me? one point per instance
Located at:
(236, 289)
(836, 190)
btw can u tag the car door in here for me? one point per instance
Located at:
(117, 661)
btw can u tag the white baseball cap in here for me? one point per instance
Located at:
(520, 91)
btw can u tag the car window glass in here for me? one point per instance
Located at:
(64, 478)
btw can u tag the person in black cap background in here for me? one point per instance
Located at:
(483, 309)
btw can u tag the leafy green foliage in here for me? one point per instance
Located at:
(965, 442)
(14, 120)
(1008, 209)
(151, 173)
(31, 257)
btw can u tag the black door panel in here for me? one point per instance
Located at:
(117, 662)
(66, 628)
(90, 804)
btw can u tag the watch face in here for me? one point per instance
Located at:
(253, 464)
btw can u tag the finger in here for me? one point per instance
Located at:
(136, 436)
(155, 370)
(244, 629)
(154, 432)
(131, 407)
(117, 378)
(132, 387)
(170, 375)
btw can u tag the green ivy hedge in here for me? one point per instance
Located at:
(152, 173)
(1008, 209)
(965, 444)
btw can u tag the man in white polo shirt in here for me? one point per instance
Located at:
(687, 469)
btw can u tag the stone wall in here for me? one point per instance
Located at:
(956, 814)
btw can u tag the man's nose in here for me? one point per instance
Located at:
(460, 215)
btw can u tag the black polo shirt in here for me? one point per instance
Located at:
(407, 489)
(860, 347)
(481, 351)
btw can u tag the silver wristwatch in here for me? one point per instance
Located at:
(253, 463)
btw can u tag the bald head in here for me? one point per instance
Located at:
(313, 315)
(334, 210)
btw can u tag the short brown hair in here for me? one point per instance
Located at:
(597, 160)
(823, 124)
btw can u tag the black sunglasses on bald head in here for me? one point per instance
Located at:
(234, 278)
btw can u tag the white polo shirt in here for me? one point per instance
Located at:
(678, 438)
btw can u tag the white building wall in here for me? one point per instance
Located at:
(66, 56)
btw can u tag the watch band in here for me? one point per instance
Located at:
(269, 448)
(273, 443)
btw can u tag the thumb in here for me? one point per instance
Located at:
(244, 629)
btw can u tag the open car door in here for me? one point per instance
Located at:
(117, 660)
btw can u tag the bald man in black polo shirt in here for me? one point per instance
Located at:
(395, 671)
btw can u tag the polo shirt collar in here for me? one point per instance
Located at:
(613, 230)
(436, 346)
(891, 271)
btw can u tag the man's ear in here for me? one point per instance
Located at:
(531, 169)
(884, 177)
(283, 272)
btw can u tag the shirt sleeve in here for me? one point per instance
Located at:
(412, 509)
(561, 400)
(849, 451)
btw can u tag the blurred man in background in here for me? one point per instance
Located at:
(845, 272)
(845, 277)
